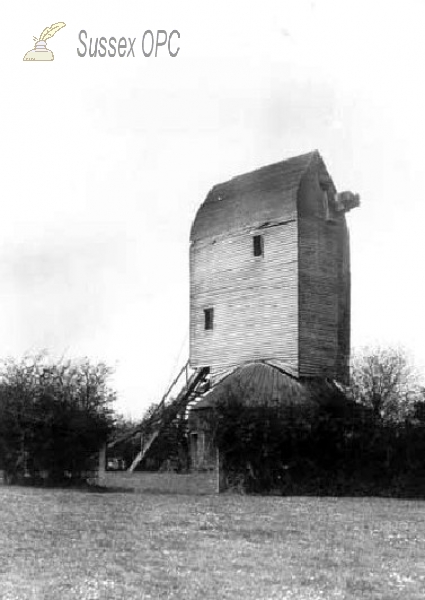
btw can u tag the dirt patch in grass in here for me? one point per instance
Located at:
(67, 544)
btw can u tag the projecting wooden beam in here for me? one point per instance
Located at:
(143, 451)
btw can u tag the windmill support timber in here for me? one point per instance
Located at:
(167, 411)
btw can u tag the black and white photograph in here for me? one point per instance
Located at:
(212, 355)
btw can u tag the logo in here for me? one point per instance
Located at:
(124, 46)
(40, 52)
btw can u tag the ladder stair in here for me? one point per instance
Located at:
(166, 415)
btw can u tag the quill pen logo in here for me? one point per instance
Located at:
(40, 52)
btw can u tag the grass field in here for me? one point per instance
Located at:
(57, 544)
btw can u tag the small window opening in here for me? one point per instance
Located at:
(209, 318)
(258, 245)
(325, 202)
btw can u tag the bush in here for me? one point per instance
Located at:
(53, 416)
(299, 451)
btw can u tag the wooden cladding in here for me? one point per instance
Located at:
(324, 295)
(255, 301)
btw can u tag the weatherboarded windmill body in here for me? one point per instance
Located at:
(270, 272)
(269, 292)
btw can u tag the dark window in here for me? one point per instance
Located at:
(258, 245)
(209, 318)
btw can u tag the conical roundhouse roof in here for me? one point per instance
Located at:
(263, 384)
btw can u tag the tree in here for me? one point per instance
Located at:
(54, 415)
(385, 381)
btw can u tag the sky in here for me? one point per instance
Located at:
(106, 160)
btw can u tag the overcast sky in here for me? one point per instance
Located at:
(105, 161)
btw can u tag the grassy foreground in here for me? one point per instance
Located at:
(57, 544)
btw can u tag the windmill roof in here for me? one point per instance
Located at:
(254, 198)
